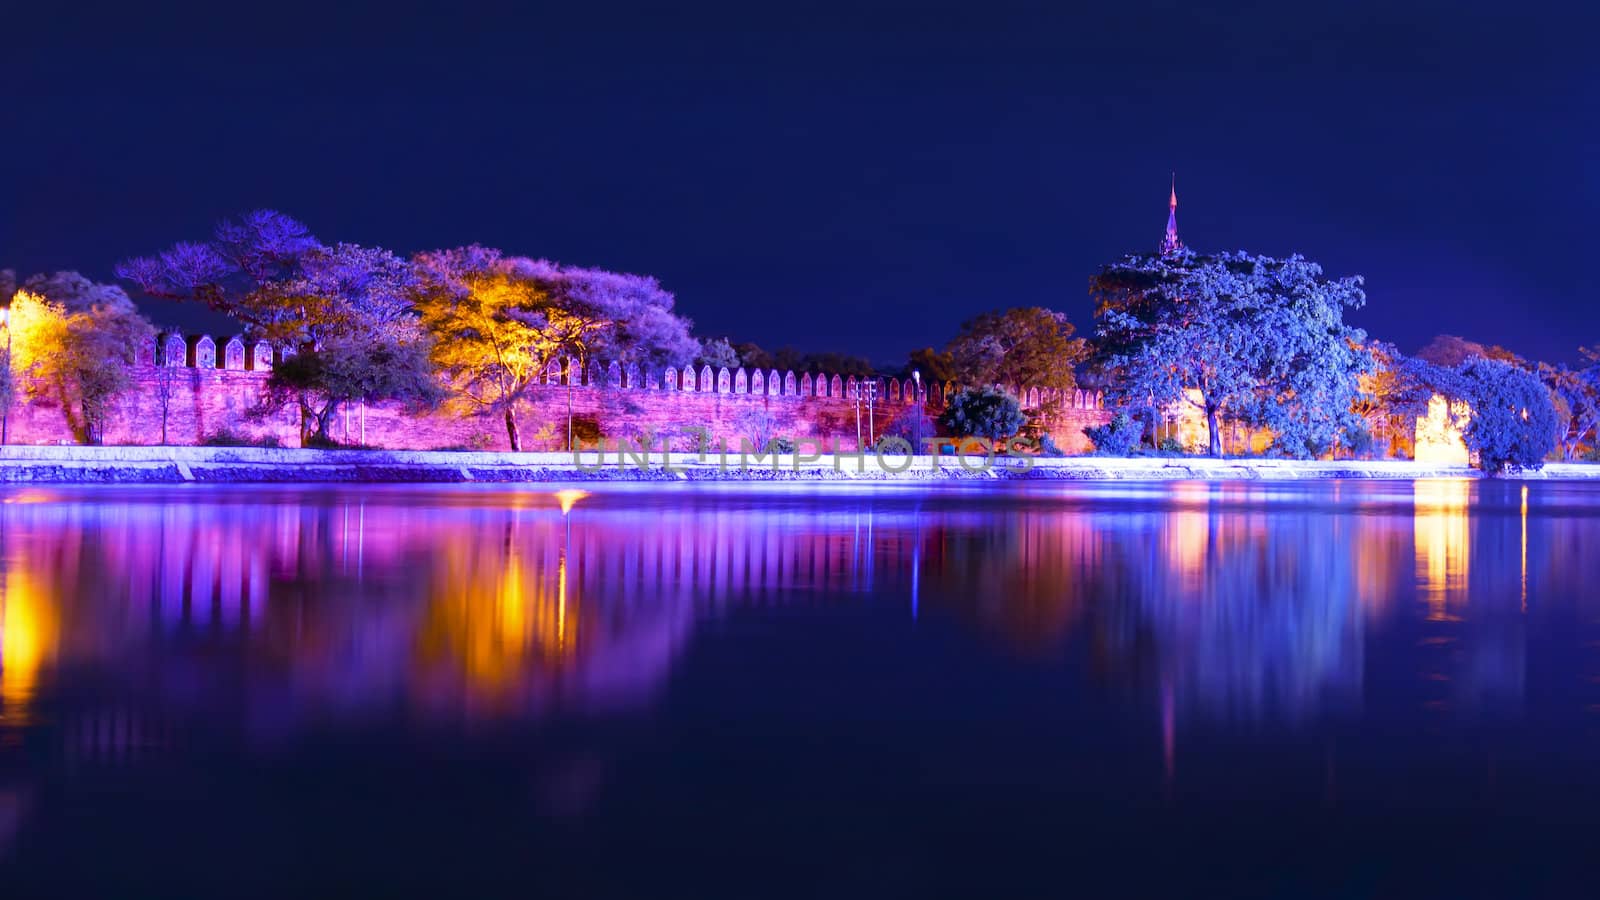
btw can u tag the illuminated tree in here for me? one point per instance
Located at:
(716, 353)
(1513, 422)
(937, 367)
(1026, 347)
(786, 359)
(987, 412)
(498, 322)
(389, 365)
(1251, 338)
(269, 272)
(1576, 394)
(75, 341)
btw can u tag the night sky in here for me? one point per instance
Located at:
(835, 177)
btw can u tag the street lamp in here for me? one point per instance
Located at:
(916, 376)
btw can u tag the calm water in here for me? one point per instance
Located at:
(1341, 690)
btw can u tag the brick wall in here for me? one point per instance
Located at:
(606, 403)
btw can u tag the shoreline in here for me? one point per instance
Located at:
(252, 465)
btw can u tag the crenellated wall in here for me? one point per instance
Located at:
(208, 390)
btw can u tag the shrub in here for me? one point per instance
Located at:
(912, 425)
(983, 412)
(228, 438)
(1047, 445)
(1118, 437)
(1359, 442)
(1172, 447)
(321, 442)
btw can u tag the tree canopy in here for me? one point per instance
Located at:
(1251, 338)
(1513, 423)
(499, 322)
(267, 271)
(75, 339)
(1026, 347)
(987, 412)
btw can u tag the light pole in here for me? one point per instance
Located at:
(871, 390)
(872, 393)
(916, 376)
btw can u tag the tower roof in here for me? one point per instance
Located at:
(1170, 243)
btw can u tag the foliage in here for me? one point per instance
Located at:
(987, 412)
(912, 425)
(1171, 446)
(635, 314)
(1449, 351)
(1252, 338)
(759, 426)
(1576, 393)
(226, 437)
(1026, 347)
(1513, 422)
(269, 272)
(495, 327)
(1048, 446)
(716, 353)
(75, 340)
(390, 365)
(788, 359)
(936, 366)
(498, 322)
(1118, 437)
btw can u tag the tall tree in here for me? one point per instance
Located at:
(1252, 338)
(717, 353)
(1576, 394)
(500, 321)
(75, 338)
(936, 367)
(1513, 422)
(267, 271)
(495, 328)
(1025, 347)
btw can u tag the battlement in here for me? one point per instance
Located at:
(195, 388)
(199, 351)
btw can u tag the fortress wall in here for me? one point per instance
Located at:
(203, 400)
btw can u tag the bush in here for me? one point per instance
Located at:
(319, 442)
(1118, 437)
(983, 412)
(229, 438)
(1047, 445)
(912, 425)
(1359, 442)
(1171, 446)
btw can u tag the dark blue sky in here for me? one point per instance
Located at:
(852, 177)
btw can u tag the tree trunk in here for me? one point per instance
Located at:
(325, 421)
(511, 431)
(306, 418)
(1214, 437)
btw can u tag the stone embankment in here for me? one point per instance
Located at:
(239, 465)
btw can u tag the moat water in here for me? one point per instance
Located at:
(1305, 690)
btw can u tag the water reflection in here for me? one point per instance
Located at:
(1210, 602)
(1442, 544)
